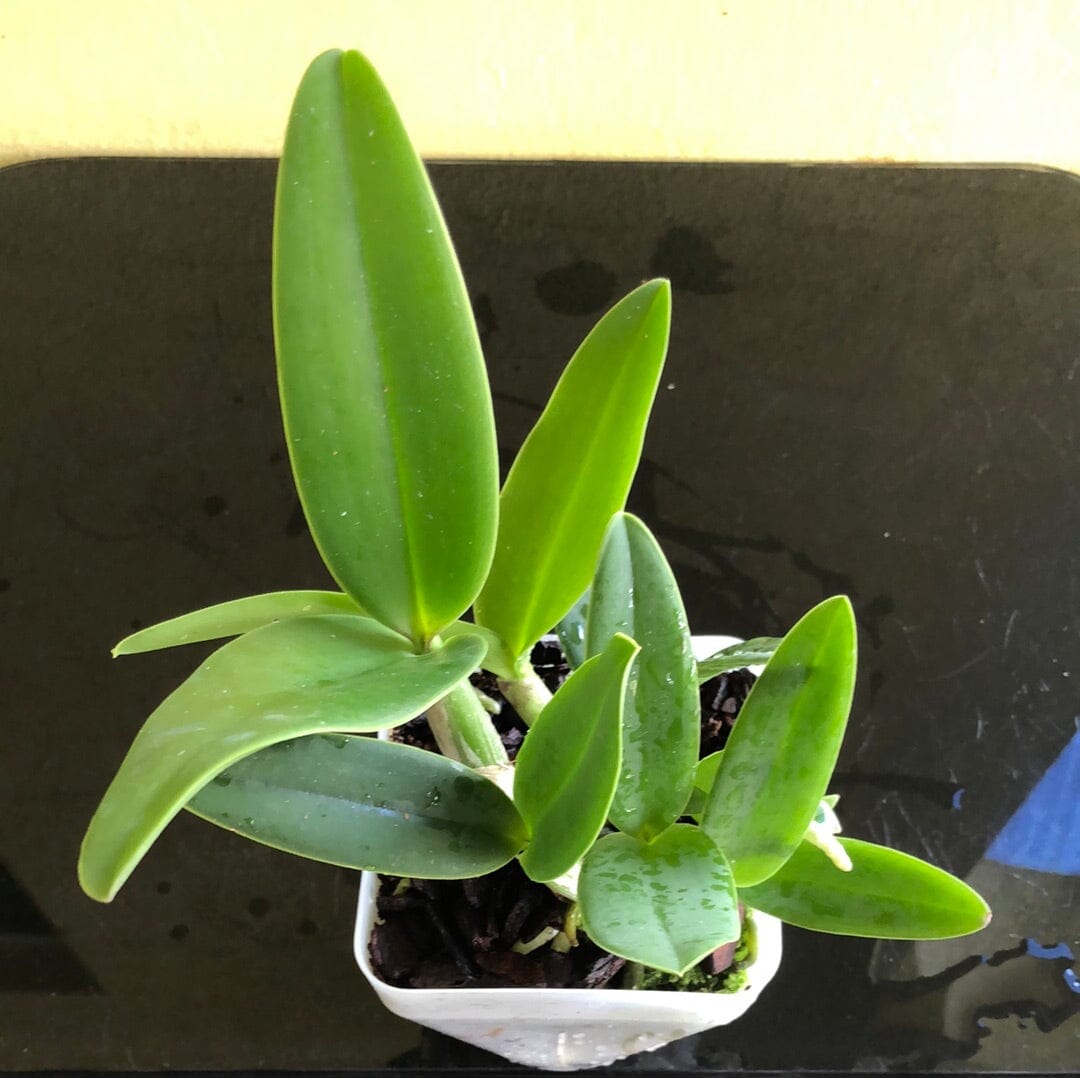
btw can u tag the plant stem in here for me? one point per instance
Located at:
(527, 693)
(463, 729)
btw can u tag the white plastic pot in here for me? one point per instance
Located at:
(569, 1028)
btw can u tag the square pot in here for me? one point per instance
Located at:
(566, 1028)
(569, 1028)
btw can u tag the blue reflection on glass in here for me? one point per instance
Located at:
(1055, 950)
(1044, 832)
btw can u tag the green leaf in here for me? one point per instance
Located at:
(635, 593)
(886, 895)
(364, 803)
(566, 771)
(574, 470)
(234, 618)
(303, 676)
(704, 777)
(784, 744)
(754, 652)
(498, 660)
(571, 631)
(667, 903)
(385, 399)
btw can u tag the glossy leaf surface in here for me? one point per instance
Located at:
(635, 593)
(235, 618)
(574, 470)
(307, 675)
(566, 771)
(386, 405)
(365, 803)
(754, 652)
(667, 903)
(784, 744)
(571, 631)
(886, 895)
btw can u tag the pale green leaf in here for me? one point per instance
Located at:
(498, 660)
(704, 777)
(754, 652)
(235, 618)
(574, 471)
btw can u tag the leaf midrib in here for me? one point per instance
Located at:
(317, 797)
(551, 550)
(388, 414)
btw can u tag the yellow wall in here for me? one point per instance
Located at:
(923, 80)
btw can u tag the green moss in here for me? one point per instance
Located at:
(699, 979)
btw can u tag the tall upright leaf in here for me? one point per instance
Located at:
(574, 470)
(784, 745)
(567, 768)
(307, 675)
(365, 803)
(635, 593)
(886, 895)
(386, 405)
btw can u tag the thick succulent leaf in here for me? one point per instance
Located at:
(571, 631)
(886, 895)
(302, 676)
(387, 410)
(235, 618)
(635, 593)
(566, 771)
(783, 748)
(365, 803)
(574, 470)
(754, 652)
(667, 903)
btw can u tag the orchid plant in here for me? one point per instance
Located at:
(390, 431)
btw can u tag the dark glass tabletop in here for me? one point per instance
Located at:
(872, 388)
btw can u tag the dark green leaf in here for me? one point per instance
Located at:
(387, 410)
(784, 745)
(574, 471)
(567, 768)
(571, 631)
(667, 903)
(754, 652)
(886, 895)
(635, 593)
(235, 618)
(302, 676)
(364, 803)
